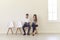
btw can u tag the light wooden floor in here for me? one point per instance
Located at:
(36, 37)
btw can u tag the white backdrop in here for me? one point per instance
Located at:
(14, 10)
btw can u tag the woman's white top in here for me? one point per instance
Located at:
(35, 22)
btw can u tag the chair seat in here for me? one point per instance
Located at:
(19, 24)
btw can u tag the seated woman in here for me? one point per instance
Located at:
(34, 25)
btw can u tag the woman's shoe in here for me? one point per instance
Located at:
(32, 34)
(28, 34)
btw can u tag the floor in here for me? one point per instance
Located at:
(36, 37)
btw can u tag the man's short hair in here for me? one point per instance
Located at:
(27, 14)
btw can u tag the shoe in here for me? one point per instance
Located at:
(24, 34)
(28, 34)
(32, 34)
(36, 33)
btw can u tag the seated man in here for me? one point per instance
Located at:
(26, 24)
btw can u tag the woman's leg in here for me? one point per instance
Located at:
(28, 25)
(34, 31)
(34, 28)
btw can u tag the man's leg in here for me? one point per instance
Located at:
(24, 29)
(28, 29)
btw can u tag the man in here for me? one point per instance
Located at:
(26, 24)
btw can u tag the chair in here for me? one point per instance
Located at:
(10, 27)
(18, 27)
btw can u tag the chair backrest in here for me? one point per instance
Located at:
(11, 24)
(19, 24)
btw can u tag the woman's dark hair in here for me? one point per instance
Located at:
(35, 18)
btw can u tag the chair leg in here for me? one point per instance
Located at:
(11, 30)
(16, 30)
(8, 31)
(20, 30)
(36, 32)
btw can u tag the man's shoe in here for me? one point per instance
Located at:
(24, 34)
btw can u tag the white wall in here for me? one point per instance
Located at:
(16, 9)
(59, 10)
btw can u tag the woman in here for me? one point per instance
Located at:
(34, 25)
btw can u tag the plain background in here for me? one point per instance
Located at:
(16, 9)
